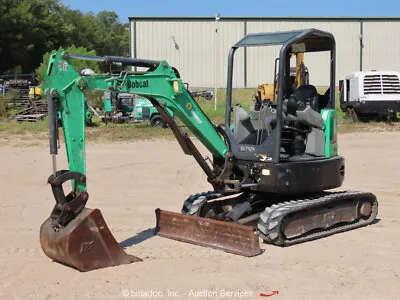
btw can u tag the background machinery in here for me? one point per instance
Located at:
(270, 174)
(299, 76)
(23, 93)
(126, 107)
(371, 95)
(26, 85)
(117, 107)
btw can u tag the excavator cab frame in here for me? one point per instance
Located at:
(299, 41)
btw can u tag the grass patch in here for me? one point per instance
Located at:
(143, 131)
(12, 127)
(242, 96)
(346, 126)
(3, 111)
(126, 132)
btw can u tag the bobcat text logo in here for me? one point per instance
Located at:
(137, 84)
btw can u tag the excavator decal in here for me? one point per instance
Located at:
(63, 66)
(137, 84)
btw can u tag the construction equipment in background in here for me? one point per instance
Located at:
(22, 83)
(22, 92)
(117, 107)
(370, 95)
(125, 107)
(299, 76)
(271, 174)
(35, 92)
(206, 94)
(145, 111)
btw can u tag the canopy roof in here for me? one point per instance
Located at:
(312, 39)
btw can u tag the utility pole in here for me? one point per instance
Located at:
(217, 17)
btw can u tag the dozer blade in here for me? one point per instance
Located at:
(230, 237)
(86, 243)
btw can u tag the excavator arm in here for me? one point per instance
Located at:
(160, 84)
(76, 235)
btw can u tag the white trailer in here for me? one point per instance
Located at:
(372, 94)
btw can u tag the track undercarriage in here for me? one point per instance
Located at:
(281, 220)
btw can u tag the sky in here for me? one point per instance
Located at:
(236, 8)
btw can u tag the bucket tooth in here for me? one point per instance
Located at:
(85, 243)
(229, 237)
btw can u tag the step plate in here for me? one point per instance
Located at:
(229, 237)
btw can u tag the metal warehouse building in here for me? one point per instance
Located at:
(199, 47)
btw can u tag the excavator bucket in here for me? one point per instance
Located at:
(86, 243)
(230, 237)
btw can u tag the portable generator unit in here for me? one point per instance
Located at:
(371, 95)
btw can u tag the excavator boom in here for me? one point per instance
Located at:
(76, 235)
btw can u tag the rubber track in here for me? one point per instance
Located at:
(271, 219)
(193, 204)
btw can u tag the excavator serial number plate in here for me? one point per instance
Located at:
(230, 237)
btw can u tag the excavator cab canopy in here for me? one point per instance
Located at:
(295, 41)
(314, 40)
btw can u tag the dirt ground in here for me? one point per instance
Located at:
(127, 182)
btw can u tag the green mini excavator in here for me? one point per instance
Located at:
(272, 167)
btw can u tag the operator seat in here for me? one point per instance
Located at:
(308, 93)
(305, 104)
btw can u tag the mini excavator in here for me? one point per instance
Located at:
(272, 170)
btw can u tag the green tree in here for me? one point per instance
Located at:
(113, 36)
(102, 32)
(31, 28)
(78, 64)
(28, 28)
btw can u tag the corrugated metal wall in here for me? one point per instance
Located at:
(189, 45)
(381, 49)
(261, 60)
